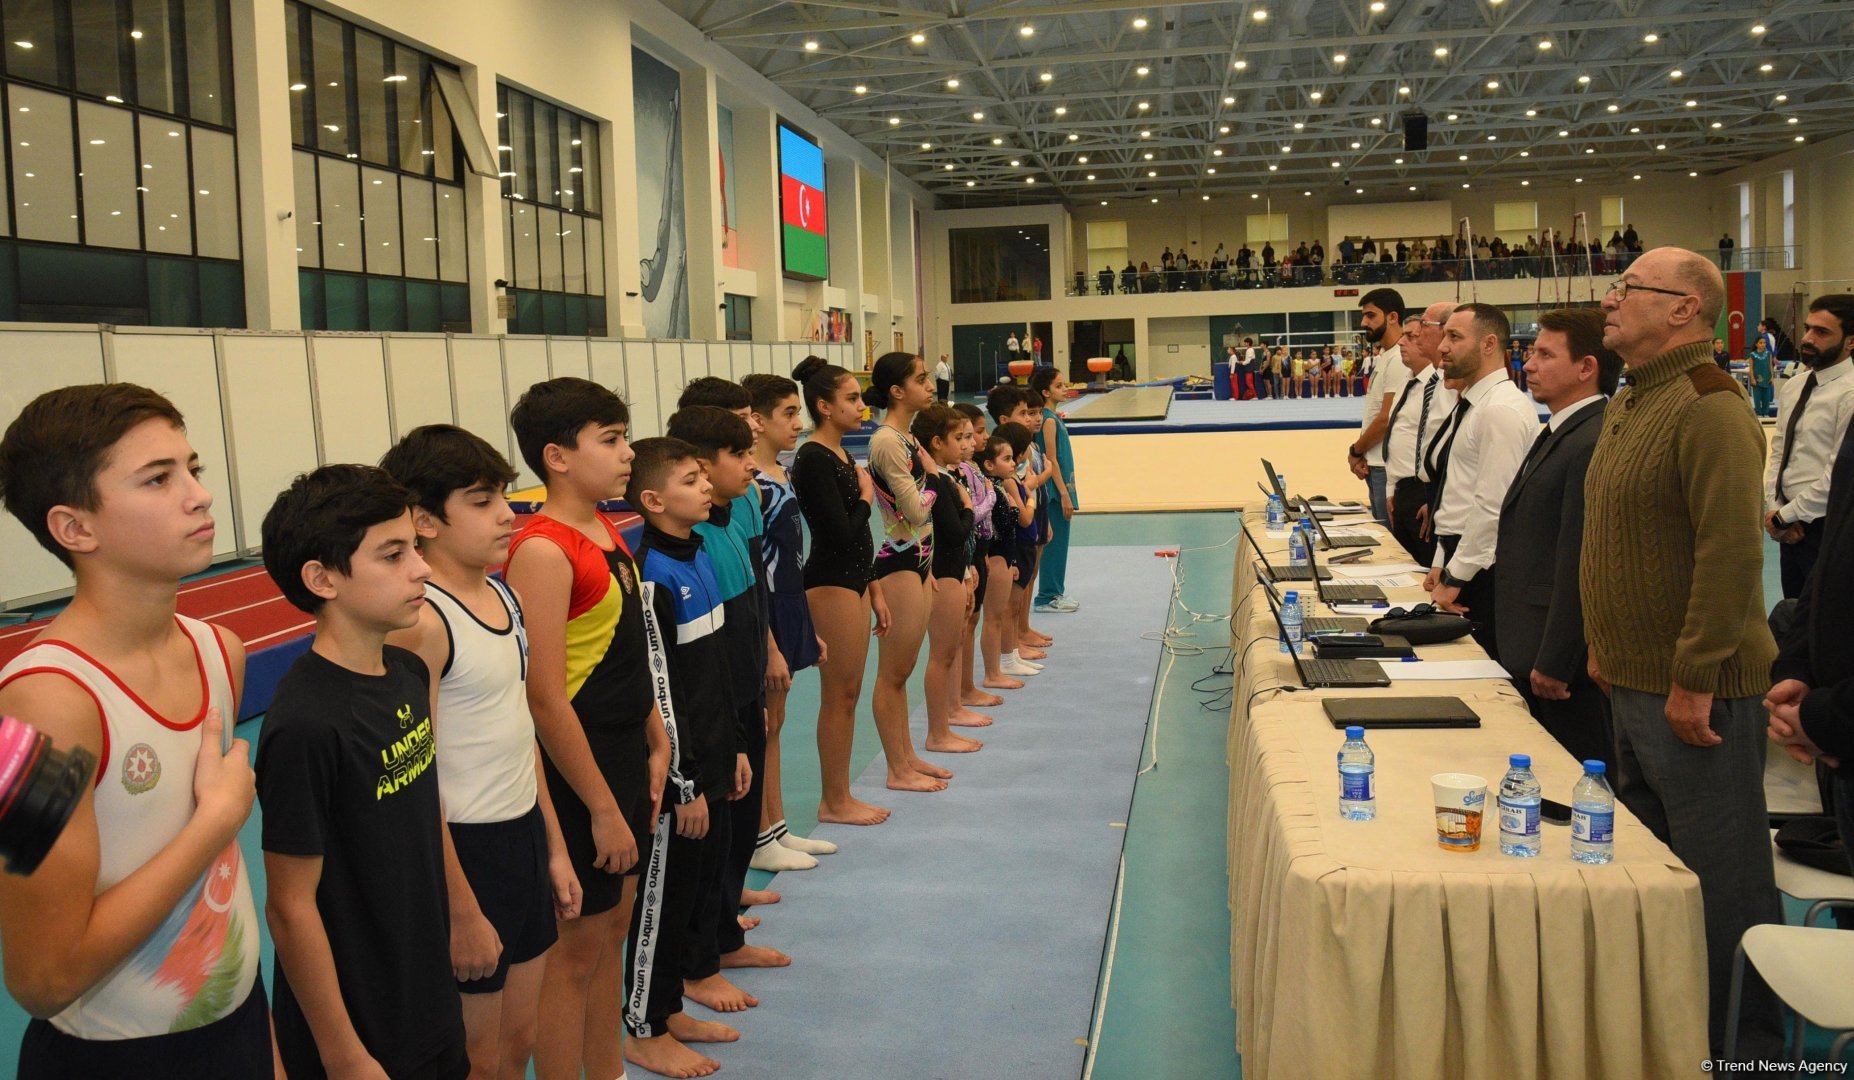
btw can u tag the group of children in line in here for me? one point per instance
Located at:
(492, 799)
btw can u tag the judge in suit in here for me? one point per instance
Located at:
(1540, 613)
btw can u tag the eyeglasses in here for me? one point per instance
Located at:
(1430, 322)
(1622, 289)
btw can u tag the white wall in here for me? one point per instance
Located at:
(1430, 219)
(1190, 336)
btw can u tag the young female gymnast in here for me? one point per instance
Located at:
(982, 494)
(946, 435)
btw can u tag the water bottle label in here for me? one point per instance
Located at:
(1593, 826)
(1517, 819)
(1357, 786)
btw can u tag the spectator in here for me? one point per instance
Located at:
(1725, 251)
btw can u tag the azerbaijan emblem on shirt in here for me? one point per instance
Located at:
(141, 769)
(624, 579)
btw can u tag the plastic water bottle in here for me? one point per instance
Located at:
(1358, 784)
(1277, 513)
(1291, 635)
(1519, 809)
(1297, 544)
(1593, 817)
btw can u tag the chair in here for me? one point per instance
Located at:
(1820, 888)
(1805, 966)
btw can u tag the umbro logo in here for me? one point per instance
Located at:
(685, 592)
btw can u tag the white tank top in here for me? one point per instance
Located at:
(200, 963)
(485, 732)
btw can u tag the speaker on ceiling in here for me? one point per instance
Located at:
(1415, 131)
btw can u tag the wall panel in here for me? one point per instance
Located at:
(567, 357)
(605, 362)
(640, 366)
(476, 375)
(269, 420)
(418, 382)
(670, 379)
(30, 364)
(350, 398)
(184, 368)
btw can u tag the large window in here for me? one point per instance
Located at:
(553, 235)
(381, 235)
(1005, 263)
(1266, 228)
(739, 317)
(1514, 222)
(123, 200)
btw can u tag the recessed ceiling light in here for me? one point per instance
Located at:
(1026, 30)
(1676, 74)
(1690, 103)
(1544, 44)
(1315, 95)
(1377, 121)
(1403, 90)
(1339, 58)
(1240, 65)
(1259, 15)
(1792, 120)
(1651, 38)
(1441, 50)
(893, 121)
(952, 84)
(926, 146)
(918, 38)
(1493, 84)
(1144, 105)
(1396, 161)
(978, 116)
(1015, 163)
(1612, 108)
(948, 166)
(997, 142)
(1454, 116)
(1142, 70)
(1757, 28)
(1139, 23)
(811, 46)
(1583, 80)
(1781, 98)
(861, 89)
(1062, 110)
(1047, 76)
(1717, 124)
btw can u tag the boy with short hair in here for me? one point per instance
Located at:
(353, 848)
(731, 535)
(607, 750)
(506, 867)
(691, 667)
(135, 943)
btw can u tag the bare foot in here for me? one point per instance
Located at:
(1003, 682)
(1037, 638)
(934, 771)
(756, 897)
(755, 956)
(1031, 654)
(854, 812)
(688, 1029)
(980, 699)
(909, 780)
(666, 1056)
(968, 718)
(747, 922)
(953, 744)
(718, 994)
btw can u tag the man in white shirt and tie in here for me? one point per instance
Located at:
(1812, 417)
(1494, 426)
(1381, 323)
(1416, 419)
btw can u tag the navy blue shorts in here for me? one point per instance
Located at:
(506, 865)
(237, 1045)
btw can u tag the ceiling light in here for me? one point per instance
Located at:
(1637, 176)
(918, 38)
(1339, 58)
(1403, 90)
(1583, 80)
(1287, 148)
(1255, 194)
(1792, 120)
(1377, 121)
(1091, 176)
(1493, 84)
(1579, 180)
(1029, 179)
(1026, 30)
(926, 146)
(1589, 149)
(1145, 134)
(952, 84)
(1757, 28)
(1152, 172)
(1273, 168)
(1377, 6)
(997, 142)
(893, 121)
(1315, 95)
(1306, 193)
(1223, 129)
(1441, 50)
(1062, 110)
(1544, 44)
(1766, 68)
(1396, 161)
(1259, 15)
(1139, 23)
(1014, 163)
(978, 116)
(1206, 198)
(1525, 183)
(1298, 125)
(1355, 146)
(1412, 187)
(1358, 191)
(1073, 137)
(1799, 138)
(1155, 200)
(1613, 108)
(1690, 103)
(1212, 170)
(1781, 98)
(1464, 185)
(1676, 74)
(1148, 157)
(1142, 70)
(1532, 112)
(1461, 157)
(1660, 146)
(1651, 38)
(1047, 76)
(1716, 125)
(1240, 64)
(971, 183)
(1083, 159)
(1525, 153)
(861, 89)
(1693, 174)
(1635, 131)
(23, 44)
(1144, 105)
(1493, 138)
(811, 46)
(1562, 132)
(299, 86)
(949, 166)
(1454, 116)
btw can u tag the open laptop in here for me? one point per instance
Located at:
(1319, 673)
(1400, 712)
(1325, 624)
(1274, 482)
(1284, 573)
(1327, 540)
(1347, 593)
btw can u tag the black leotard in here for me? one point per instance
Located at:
(842, 548)
(952, 528)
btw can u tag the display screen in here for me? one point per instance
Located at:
(805, 243)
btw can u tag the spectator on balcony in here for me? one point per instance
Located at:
(1166, 258)
(1269, 262)
(1148, 279)
(1104, 281)
(1129, 278)
(1725, 251)
(1245, 262)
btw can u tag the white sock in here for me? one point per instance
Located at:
(807, 845)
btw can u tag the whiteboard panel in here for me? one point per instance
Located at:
(269, 425)
(350, 398)
(419, 382)
(640, 367)
(670, 380)
(476, 375)
(566, 358)
(185, 369)
(606, 365)
(32, 362)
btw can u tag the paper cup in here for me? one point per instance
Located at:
(1460, 798)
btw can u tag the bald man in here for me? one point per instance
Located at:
(1416, 420)
(1672, 586)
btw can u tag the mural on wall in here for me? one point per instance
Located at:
(730, 218)
(831, 324)
(657, 95)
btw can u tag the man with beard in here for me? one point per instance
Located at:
(1493, 428)
(1812, 417)
(1381, 321)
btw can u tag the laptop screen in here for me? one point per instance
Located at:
(1274, 610)
(1274, 481)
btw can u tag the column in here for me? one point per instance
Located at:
(267, 185)
(702, 203)
(483, 210)
(756, 188)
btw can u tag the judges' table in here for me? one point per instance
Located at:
(1361, 949)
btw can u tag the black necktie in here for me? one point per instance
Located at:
(1391, 427)
(1422, 418)
(1789, 432)
(1532, 455)
(1439, 470)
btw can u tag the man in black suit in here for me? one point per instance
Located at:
(1538, 607)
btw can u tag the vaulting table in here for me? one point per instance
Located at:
(1361, 949)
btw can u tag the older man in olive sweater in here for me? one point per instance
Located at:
(1673, 599)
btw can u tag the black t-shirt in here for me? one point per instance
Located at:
(344, 772)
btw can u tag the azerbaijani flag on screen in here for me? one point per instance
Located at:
(801, 201)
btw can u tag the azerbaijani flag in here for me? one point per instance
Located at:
(801, 200)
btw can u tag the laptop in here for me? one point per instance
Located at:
(1283, 573)
(1274, 481)
(1328, 541)
(1400, 712)
(1318, 673)
(1344, 593)
(1313, 625)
